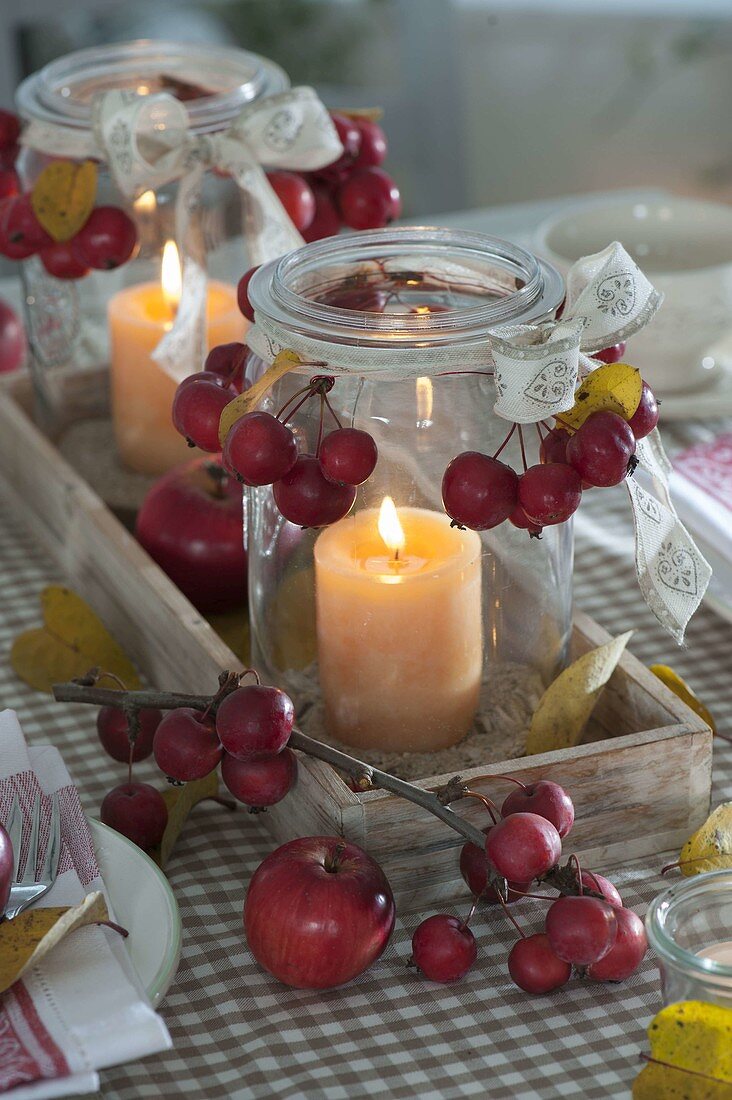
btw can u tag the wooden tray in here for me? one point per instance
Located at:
(639, 790)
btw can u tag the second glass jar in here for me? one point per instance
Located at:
(393, 630)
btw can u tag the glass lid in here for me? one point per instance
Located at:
(214, 82)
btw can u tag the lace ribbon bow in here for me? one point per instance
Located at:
(536, 371)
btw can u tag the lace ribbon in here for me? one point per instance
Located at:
(146, 141)
(536, 370)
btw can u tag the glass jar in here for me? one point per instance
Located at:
(690, 929)
(67, 320)
(464, 630)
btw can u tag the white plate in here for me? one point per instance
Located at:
(708, 404)
(144, 904)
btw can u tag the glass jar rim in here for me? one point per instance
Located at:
(271, 294)
(663, 905)
(47, 95)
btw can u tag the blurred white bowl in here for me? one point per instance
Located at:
(685, 248)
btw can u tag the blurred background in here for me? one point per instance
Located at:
(486, 101)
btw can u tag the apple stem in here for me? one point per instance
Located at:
(333, 862)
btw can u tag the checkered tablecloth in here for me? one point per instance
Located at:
(238, 1033)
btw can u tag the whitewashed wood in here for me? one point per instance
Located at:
(638, 791)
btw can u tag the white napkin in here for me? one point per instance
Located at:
(702, 490)
(82, 1007)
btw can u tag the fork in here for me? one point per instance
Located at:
(32, 885)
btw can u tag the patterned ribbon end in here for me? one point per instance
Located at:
(672, 573)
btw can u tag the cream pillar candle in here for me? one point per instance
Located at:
(399, 629)
(142, 392)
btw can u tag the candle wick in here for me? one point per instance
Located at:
(396, 554)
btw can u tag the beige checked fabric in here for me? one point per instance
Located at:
(238, 1033)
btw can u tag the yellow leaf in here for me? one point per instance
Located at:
(233, 629)
(693, 1040)
(292, 617)
(63, 197)
(710, 847)
(180, 801)
(71, 641)
(31, 935)
(565, 706)
(656, 1082)
(614, 386)
(373, 114)
(284, 362)
(679, 687)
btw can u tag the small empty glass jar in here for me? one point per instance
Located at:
(405, 641)
(690, 929)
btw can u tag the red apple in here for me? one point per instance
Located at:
(319, 911)
(546, 799)
(138, 811)
(6, 867)
(13, 345)
(191, 523)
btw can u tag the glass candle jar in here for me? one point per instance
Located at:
(690, 929)
(79, 326)
(393, 630)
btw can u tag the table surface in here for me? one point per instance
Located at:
(238, 1033)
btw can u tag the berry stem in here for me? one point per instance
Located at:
(305, 389)
(464, 924)
(320, 425)
(487, 802)
(508, 778)
(298, 406)
(523, 451)
(513, 429)
(574, 858)
(537, 897)
(332, 410)
(510, 916)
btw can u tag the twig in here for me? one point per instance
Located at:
(357, 769)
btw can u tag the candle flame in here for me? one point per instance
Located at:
(390, 528)
(145, 203)
(171, 276)
(424, 398)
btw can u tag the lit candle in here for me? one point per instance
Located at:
(142, 392)
(400, 647)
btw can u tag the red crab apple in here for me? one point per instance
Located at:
(191, 523)
(319, 911)
(12, 339)
(546, 799)
(138, 811)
